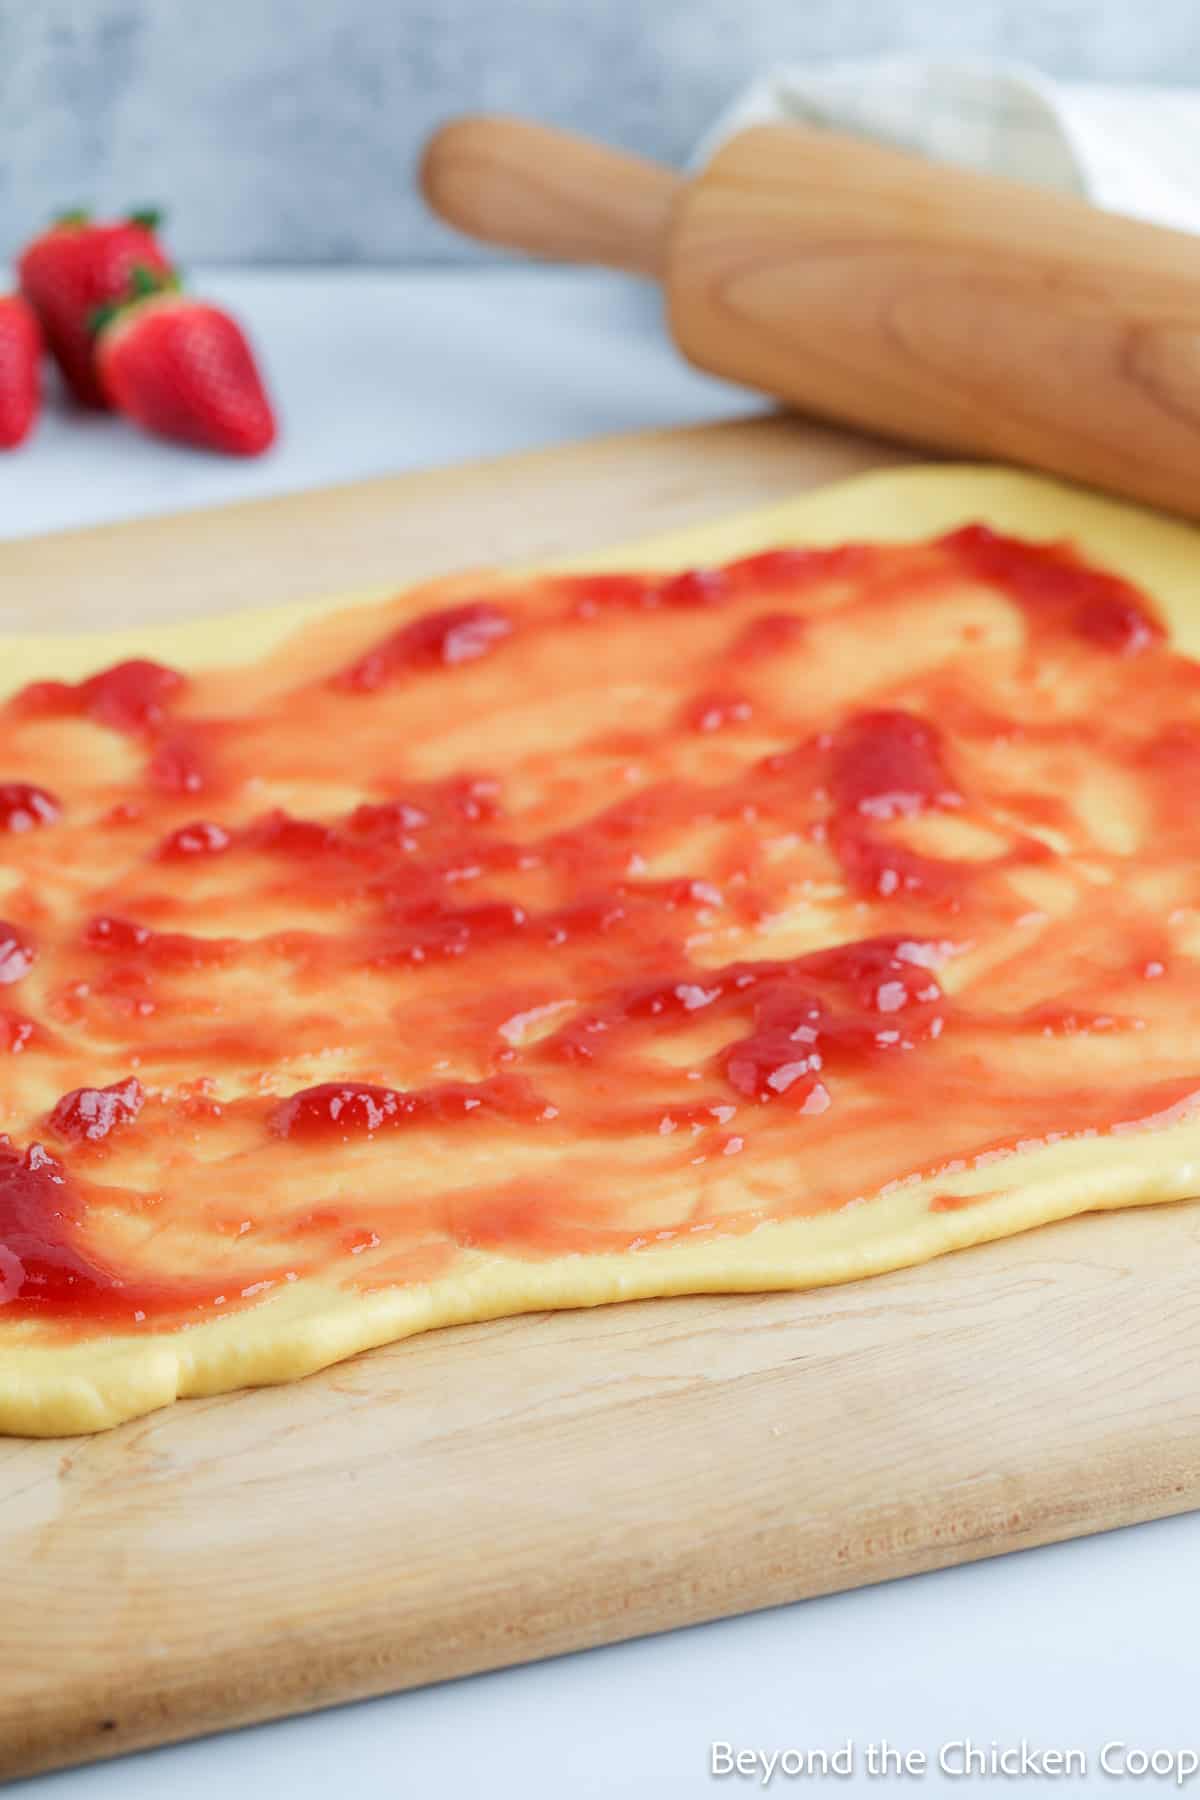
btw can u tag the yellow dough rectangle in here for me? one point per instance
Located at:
(735, 911)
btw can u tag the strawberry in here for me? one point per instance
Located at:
(183, 369)
(20, 370)
(75, 267)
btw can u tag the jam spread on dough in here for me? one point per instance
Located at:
(586, 913)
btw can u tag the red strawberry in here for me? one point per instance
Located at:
(20, 370)
(76, 267)
(182, 368)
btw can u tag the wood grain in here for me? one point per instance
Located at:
(501, 1492)
(531, 507)
(948, 309)
(945, 308)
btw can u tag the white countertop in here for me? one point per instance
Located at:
(1070, 1648)
(375, 371)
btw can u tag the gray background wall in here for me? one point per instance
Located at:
(286, 130)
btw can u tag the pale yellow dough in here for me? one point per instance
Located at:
(88, 1386)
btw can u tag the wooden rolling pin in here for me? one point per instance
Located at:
(950, 309)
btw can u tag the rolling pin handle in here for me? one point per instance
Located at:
(548, 192)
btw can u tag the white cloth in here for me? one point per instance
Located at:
(1129, 149)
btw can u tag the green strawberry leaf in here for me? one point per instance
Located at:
(100, 316)
(143, 282)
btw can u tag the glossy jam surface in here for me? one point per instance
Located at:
(585, 914)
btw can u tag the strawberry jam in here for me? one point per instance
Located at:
(89, 1114)
(459, 635)
(41, 1266)
(345, 1110)
(1085, 601)
(586, 914)
(129, 697)
(24, 806)
(16, 954)
(888, 765)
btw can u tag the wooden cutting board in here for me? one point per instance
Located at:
(495, 1493)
